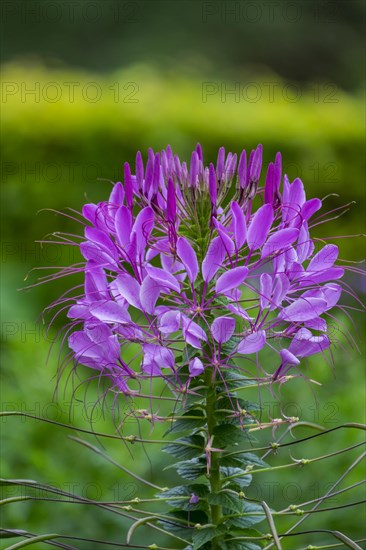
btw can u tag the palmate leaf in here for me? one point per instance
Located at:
(193, 448)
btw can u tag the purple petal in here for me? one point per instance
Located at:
(222, 329)
(252, 343)
(117, 195)
(96, 286)
(256, 165)
(169, 322)
(239, 223)
(260, 226)
(279, 240)
(227, 241)
(214, 258)
(195, 367)
(303, 309)
(164, 278)
(330, 293)
(310, 207)
(193, 333)
(110, 312)
(322, 276)
(94, 252)
(188, 256)
(242, 170)
(288, 358)
(171, 207)
(129, 289)
(156, 358)
(149, 293)
(102, 240)
(128, 185)
(265, 290)
(281, 287)
(231, 279)
(89, 212)
(324, 259)
(123, 225)
(317, 324)
(220, 166)
(193, 169)
(305, 344)
(305, 245)
(142, 228)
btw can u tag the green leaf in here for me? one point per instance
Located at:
(183, 494)
(186, 451)
(188, 424)
(226, 498)
(235, 380)
(205, 533)
(247, 520)
(251, 458)
(243, 480)
(241, 545)
(228, 434)
(241, 459)
(190, 469)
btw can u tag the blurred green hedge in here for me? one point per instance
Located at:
(78, 127)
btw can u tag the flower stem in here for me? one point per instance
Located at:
(214, 471)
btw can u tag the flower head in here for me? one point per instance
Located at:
(198, 265)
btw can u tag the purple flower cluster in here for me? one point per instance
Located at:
(195, 266)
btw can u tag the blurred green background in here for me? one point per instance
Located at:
(85, 84)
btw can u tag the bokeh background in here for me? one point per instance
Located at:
(84, 85)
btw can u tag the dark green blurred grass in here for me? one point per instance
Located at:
(53, 155)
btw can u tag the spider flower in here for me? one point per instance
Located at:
(199, 266)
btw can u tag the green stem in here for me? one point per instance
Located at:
(214, 474)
